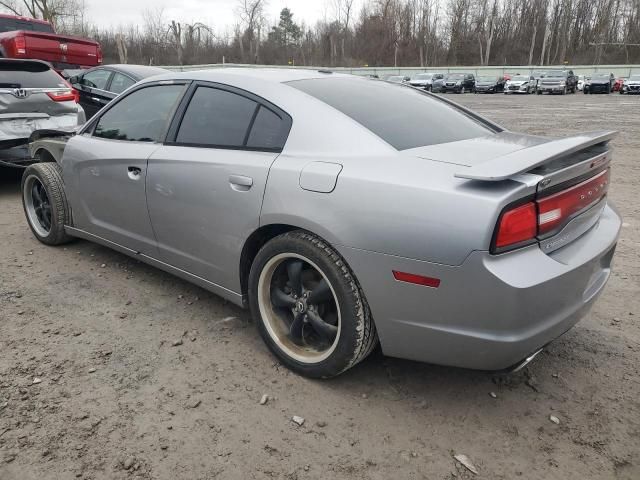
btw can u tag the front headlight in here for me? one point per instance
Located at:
(458, 82)
(563, 84)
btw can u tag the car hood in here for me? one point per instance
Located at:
(486, 84)
(476, 151)
(600, 82)
(518, 83)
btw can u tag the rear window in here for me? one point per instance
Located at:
(402, 116)
(17, 74)
(12, 24)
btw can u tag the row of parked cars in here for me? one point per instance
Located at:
(538, 82)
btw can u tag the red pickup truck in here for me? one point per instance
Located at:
(22, 37)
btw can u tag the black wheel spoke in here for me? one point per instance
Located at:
(321, 293)
(294, 270)
(281, 299)
(35, 193)
(295, 330)
(325, 330)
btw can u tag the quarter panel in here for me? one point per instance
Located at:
(400, 205)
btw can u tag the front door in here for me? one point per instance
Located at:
(92, 87)
(205, 187)
(106, 169)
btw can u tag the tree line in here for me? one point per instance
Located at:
(372, 33)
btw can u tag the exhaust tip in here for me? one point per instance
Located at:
(519, 366)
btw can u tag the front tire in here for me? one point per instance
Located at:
(309, 307)
(45, 203)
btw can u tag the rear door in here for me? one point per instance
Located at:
(205, 185)
(93, 88)
(106, 167)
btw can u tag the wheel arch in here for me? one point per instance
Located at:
(262, 235)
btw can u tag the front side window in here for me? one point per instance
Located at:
(96, 79)
(120, 83)
(142, 116)
(401, 116)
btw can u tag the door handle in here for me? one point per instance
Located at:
(134, 173)
(96, 99)
(240, 183)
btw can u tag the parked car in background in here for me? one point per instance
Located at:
(600, 83)
(617, 85)
(437, 84)
(33, 96)
(98, 86)
(231, 179)
(28, 38)
(458, 83)
(558, 81)
(631, 85)
(521, 84)
(580, 84)
(397, 79)
(489, 84)
(425, 80)
(538, 75)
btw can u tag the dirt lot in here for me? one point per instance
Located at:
(92, 387)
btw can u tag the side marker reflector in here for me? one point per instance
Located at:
(416, 279)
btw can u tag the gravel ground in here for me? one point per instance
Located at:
(111, 369)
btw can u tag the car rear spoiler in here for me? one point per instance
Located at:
(520, 161)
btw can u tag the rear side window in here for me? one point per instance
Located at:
(216, 117)
(12, 24)
(224, 119)
(141, 116)
(402, 116)
(268, 130)
(28, 75)
(120, 83)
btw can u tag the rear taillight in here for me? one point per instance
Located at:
(517, 226)
(20, 46)
(556, 210)
(99, 55)
(523, 224)
(70, 95)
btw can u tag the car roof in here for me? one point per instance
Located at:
(25, 19)
(137, 71)
(271, 75)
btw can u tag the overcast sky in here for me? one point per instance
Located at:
(216, 13)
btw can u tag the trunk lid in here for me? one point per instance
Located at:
(570, 176)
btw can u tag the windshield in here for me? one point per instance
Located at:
(424, 76)
(635, 78)
(411, 118)
(486, 79)
(455, 76)
(556, 75)
(601, 76)
(520, 78)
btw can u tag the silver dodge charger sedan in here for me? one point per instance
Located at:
(344, 212)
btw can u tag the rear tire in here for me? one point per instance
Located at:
(45, 203)
(278, 296)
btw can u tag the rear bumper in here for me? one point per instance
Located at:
(16, 130)
(551, 88)
(493, 310)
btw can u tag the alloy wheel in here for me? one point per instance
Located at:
(38, 206)
(299, 307)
